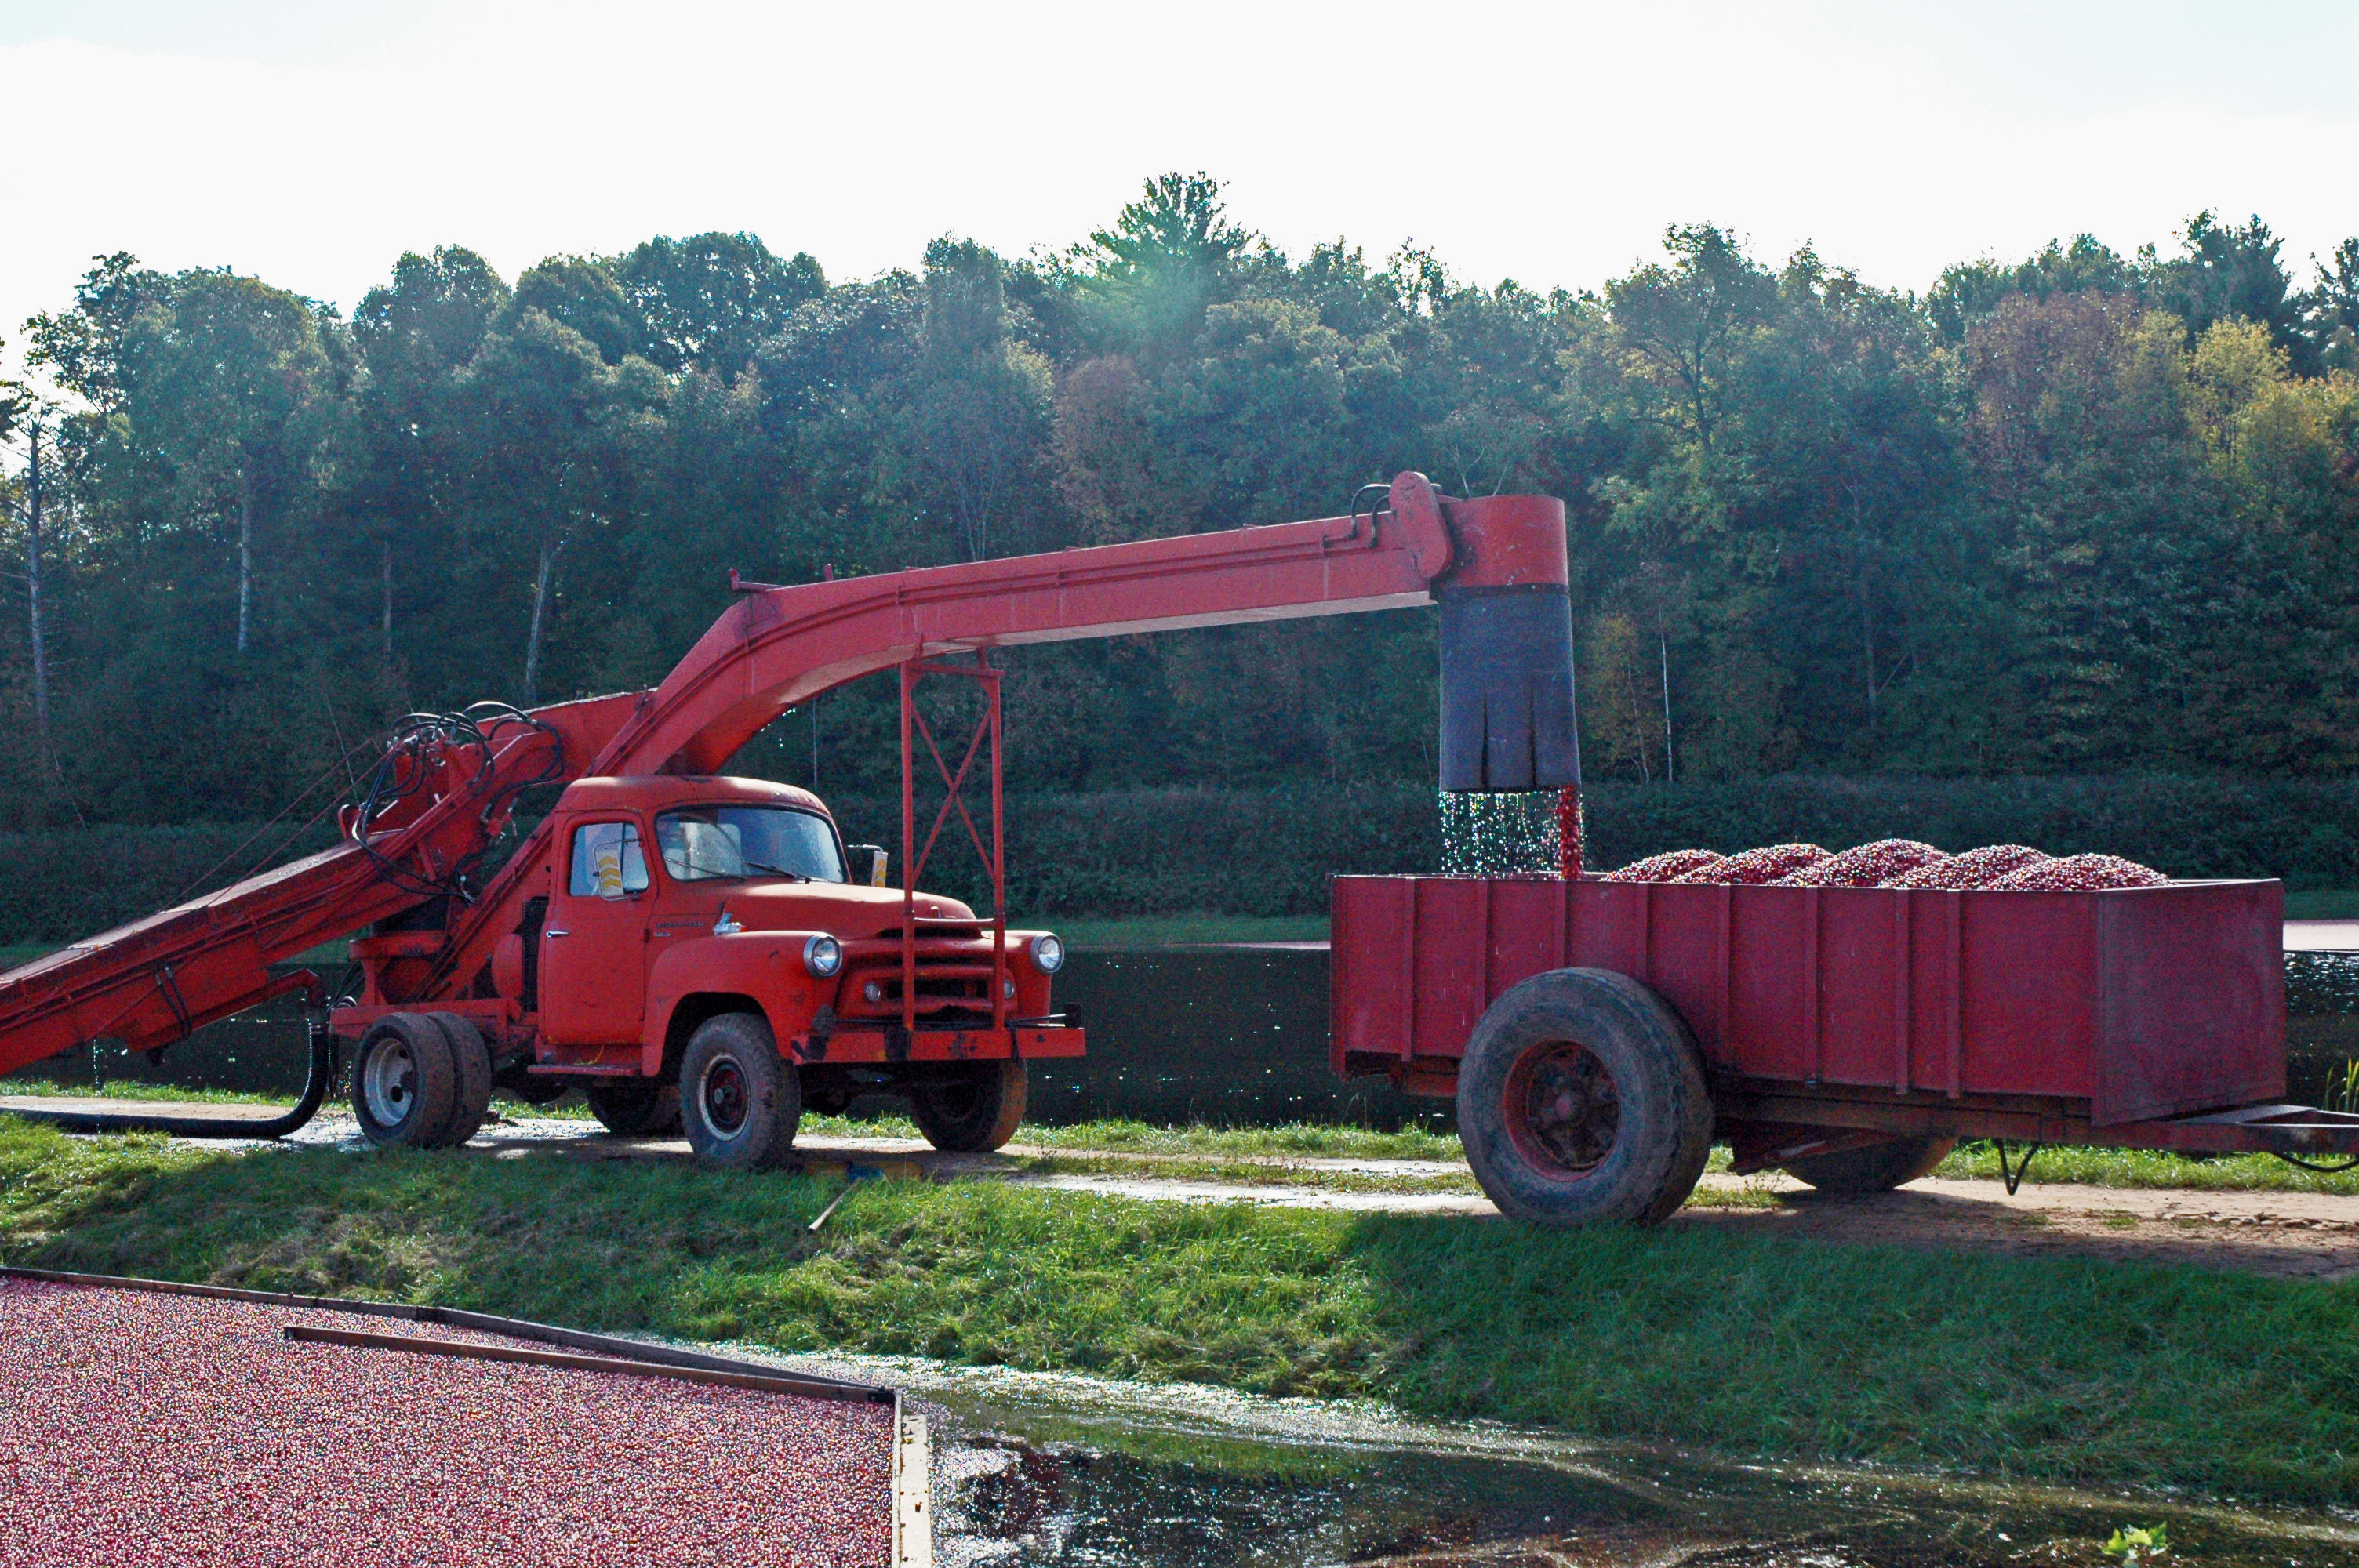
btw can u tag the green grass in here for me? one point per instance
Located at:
(1190, 930)
(2327, 903)
(2092, 1167)
(2114, 1375)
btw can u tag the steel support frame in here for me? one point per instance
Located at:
(913, 856)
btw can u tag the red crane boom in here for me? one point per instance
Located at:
(153, 982)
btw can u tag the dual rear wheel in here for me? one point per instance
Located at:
(421, 1080)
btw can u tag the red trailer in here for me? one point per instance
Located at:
(1599, 1036)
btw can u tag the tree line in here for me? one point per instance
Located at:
(2081, 513)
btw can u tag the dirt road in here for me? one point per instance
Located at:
(2281, 1235)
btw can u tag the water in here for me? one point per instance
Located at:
(1233, 1036)
(1512, 833)
(1039, 1470)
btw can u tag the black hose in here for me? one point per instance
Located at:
(320, 1078)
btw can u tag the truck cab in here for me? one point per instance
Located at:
(703, 958)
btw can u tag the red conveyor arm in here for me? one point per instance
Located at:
(149, 983)
(152, 982)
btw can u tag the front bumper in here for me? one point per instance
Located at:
(847, 1044)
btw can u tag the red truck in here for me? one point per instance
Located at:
(700, 958)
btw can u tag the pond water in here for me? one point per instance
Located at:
(1034, 1470)
(1224, 1036)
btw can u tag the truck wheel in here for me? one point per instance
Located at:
(976, 1111)
(1580, 1101)
(404, 1082)
(471, 1098)
(1872, 1167)
(635, 1108)
(739, 1102)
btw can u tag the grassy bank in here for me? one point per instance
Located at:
(2145, 1376)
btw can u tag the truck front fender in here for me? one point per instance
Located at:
(766, 967)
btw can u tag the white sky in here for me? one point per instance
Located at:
(313, 143)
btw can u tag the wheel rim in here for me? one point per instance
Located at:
(390, 1084)
(1563, 1109)
(724, 1096)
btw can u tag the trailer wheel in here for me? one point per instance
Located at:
(1580, 1101)
(740, 1103)
(471, 1098)
(975, 1112)
(404, 1082)
(1872, 1167)
(635, 1108)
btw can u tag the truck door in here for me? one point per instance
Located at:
(593, 958)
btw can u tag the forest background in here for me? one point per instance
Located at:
(2074, 532)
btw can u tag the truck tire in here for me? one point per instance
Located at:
(975, 1112)
(635, 1108)
(1582, 1101)
(470, 1098)
(404, 1082)
(738, 1100)
(1872, 1167)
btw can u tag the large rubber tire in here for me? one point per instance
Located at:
(978, 1112)
(404, 1082)
(738, 1100)
(1582, 1101)
(470, 1099)
(636, 1108)
(1872, 1167)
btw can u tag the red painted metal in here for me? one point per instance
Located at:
(2109, 1012)
(915, 858)
(1507, 541)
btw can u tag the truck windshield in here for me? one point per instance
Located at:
(700, 843)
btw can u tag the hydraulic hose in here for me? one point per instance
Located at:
(317, 1081)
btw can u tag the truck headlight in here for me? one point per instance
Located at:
(823, 955)
(1047, 954)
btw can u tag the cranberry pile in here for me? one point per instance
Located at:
(1758, 867)
(1894, 864)
(1672, 866)
(1868, 866)
(153, 1430)
(2081, 873)
(1974, 868)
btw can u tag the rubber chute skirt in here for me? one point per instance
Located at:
(1506, 689)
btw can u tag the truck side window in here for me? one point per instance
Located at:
(607, 860)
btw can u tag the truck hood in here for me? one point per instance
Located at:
(844, 909)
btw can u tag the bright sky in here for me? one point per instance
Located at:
(311, 142)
